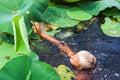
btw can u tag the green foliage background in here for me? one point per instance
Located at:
(18, 57)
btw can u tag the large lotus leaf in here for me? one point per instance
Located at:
(10, 8)
(111, 27)
(25, 68)
(6, 53)
(56, 15)
(43, 71)
(16, 69)
(20, 35)
(92, 8)
(71, 1)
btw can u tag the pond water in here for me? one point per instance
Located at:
(106, 49)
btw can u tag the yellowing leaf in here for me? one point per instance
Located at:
(49, 27)
(65, 73)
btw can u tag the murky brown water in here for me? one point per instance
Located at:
(106, 49)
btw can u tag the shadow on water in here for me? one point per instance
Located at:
(105, 48)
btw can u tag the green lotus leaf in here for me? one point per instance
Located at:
(76, 13)
(6, 53)
(25, 68)
(111, 27)
(88, 9)
(20, 35)
(94, 8)
(56, 15)
(11, 8)
(16, 69)
(71, 1)
(42, 71)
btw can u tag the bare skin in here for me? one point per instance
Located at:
(83, 60)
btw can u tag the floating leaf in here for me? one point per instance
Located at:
(111, 27)
(76, 13)
(71, 1)
(94, 8)
(89, 9)
(11, 8)
(53, 32)
(49, 29)
(66, 34)
(20, 35)
(65, 73)
(56, 15)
